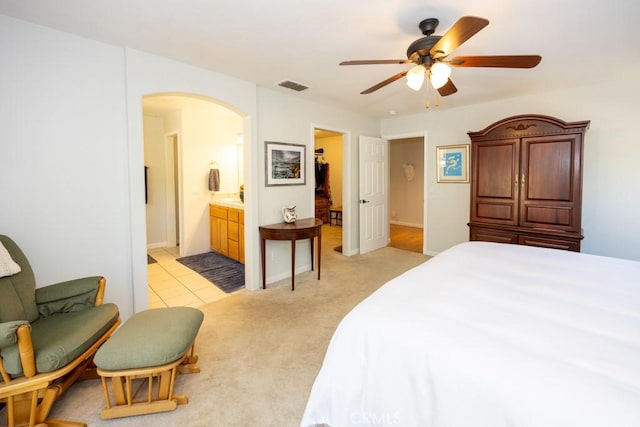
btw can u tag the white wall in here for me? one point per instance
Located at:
(288, 119)
(154, 160)
(63, 156)
(611, 153)
(406, 198)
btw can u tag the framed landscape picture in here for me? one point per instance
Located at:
(453, 163)
(285, 163)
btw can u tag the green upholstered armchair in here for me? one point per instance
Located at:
(48, 336)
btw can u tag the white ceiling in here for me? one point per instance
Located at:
(267, 42)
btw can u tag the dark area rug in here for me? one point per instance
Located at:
(223, 272)
(150, 259)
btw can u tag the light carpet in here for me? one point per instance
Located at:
(260, 351)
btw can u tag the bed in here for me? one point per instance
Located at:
(489, 334)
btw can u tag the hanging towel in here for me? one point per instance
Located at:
(214, 180)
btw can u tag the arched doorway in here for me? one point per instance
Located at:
(184, 137)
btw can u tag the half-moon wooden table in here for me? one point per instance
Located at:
(307, 228)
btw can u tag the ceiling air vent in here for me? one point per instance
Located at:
(293, 85)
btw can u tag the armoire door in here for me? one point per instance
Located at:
(550, 182)
(495, 167)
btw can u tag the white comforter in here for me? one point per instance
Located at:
(493, 335)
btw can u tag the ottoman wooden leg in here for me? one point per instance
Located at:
(188, 365)
(126, 386)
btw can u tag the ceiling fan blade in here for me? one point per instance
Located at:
(448, 89)
(376, 61)
(498, 61)
(463, 30)
(384, 83)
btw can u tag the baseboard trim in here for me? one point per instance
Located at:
(281, 276)
(156, 245)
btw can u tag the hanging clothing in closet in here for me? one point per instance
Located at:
(323, 186)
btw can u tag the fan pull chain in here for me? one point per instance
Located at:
(436, 103)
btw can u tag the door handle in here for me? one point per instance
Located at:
(362, 202)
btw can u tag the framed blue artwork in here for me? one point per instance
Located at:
(453, 163)
(284, 163)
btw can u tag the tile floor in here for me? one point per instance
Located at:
(171, 284)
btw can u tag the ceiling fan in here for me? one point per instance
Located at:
(429, 54)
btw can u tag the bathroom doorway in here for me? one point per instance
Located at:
(183, 137)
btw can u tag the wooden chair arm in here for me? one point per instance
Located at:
(5, 376)
(25, 349)
(100, 295)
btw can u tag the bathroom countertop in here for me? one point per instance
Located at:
(229, 203)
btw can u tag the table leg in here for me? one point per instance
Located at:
(319, 250)
(293, 263)
(264, 264)
(311, 245)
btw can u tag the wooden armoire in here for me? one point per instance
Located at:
(526, 182)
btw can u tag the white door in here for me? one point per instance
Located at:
(374, 184)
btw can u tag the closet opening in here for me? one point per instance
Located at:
(328, 186)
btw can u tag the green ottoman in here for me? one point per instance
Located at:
(151, 347)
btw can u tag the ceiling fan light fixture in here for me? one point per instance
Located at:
(429, 55)
(439, 74)
(415, 77)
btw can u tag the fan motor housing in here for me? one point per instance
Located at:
(418, 51)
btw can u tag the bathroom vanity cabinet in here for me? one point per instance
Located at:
(226, 226)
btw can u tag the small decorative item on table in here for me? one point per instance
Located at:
(289, 214)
